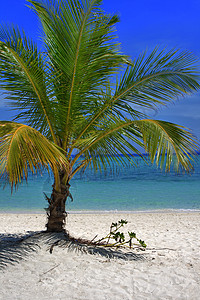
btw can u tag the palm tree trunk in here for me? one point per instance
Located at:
(56, 211)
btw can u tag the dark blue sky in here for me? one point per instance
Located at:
(144, 25)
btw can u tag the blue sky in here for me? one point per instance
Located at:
(144, 25)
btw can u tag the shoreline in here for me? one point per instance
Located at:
(100, 212)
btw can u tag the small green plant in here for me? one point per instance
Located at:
(115, 238)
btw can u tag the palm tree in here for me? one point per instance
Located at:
(80, 99)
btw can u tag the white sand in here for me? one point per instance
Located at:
(171, 269)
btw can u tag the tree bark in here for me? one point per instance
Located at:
(56, 211)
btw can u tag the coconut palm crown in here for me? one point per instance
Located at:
(79, 100)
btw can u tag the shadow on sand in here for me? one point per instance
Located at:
(14, 248)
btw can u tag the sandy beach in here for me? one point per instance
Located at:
(168, 269)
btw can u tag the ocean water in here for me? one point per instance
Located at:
(128, 189)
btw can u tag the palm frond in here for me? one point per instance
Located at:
(102, 111)
(23, 148)
(114, 141)
(23, 79)
(158, 78)
(81, 44)
(168, 144)
(152, 80)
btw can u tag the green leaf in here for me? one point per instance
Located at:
(23, 79)
(142, 243)
(132, 235)
(23, 148)
(80, 41)
(168, 144)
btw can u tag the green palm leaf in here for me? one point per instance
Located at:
(154, 79)
(23, 148)
(157, 78)
(167, 143)
(23, 79)
(78, 40)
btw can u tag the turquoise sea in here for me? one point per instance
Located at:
(131, 189)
